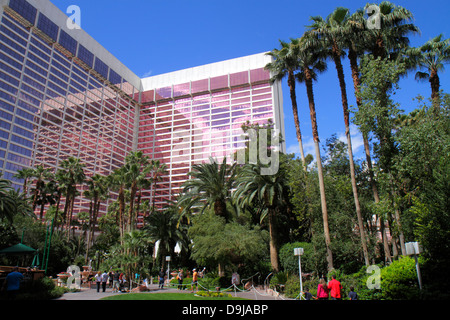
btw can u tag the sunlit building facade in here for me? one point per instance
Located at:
(62, 94)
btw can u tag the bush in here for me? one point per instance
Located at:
(42, 289)
(399, 280)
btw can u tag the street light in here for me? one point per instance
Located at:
(298, 252)
(168, 270)
(414, 249)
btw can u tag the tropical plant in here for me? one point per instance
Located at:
(285, 63)
(431, 57)
(332, 37)
(210, 186)
(311, 58)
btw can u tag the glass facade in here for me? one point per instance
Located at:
(59, 99)
(53, 105)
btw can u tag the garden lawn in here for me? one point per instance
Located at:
(165, 296)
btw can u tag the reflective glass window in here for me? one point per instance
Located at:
(25, 9)
(48, 27)
(85, 55)
(101, 67)
(68, 42)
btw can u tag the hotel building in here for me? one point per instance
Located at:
(62, 94)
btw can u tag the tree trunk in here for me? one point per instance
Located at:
(315, 132)
(435, 87)
(273, 241)
(341, 77)
(291, 84)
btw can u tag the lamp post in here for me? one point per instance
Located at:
(298, 252)
(414, 249)
(168, 270)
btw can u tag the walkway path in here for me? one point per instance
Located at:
(92, 294)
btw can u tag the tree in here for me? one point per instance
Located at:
(332, 33)
(285, 64)
(311, 59)
(25, 174)
(163, 226)
(210, 186)
(97, 191)
(69, 176)
(7, 203)
(431, 57)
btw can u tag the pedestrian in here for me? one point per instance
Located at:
(307, 294)
(110, 276)
(335, 288)
(322, 290)
(116, 284)
(161, 278)
(98, 280)
(180, 279)
(352, 294)
(194, 280)
(12, 283)
(104, 280)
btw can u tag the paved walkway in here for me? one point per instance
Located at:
(92, 294)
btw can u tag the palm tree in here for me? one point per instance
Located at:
(163, 226)
(69, 176)
(137, 168)
(25, 174)
(285, 63)
(97, 191)
(210, 186)
(48, 194)
(117, 181)
(7, 203)
(332, 37)
(431, 57)
(311, 59)
(41, 175)
(253, 188)
(158, 169)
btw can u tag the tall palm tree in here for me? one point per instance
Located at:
(285, 63)
(41, 175)
(311, 58)
(117, 181)
(431, 57)
(332, 37)
(210, 186)
(48, 194)
(97, 191)
(137, 169)
(69, 176)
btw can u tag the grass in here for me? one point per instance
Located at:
(165, 296)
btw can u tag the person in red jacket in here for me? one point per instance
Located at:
(335, 288)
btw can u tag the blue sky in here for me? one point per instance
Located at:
(152, 37)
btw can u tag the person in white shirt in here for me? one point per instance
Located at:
(98, 279)
(104, 280)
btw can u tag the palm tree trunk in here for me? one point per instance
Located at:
(315, 132)
(340, 72)
(273, 241)
(435, 87)
(291, 84)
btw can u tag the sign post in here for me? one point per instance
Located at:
(414, 249)
(298, 252)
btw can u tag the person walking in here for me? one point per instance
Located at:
(116, 284)
(322, 290)
(335, 288)
(161, 278)
(180, 279)
(194, 280)
(104, 280)
(98, 280)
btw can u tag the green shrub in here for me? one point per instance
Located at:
(399, 280)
